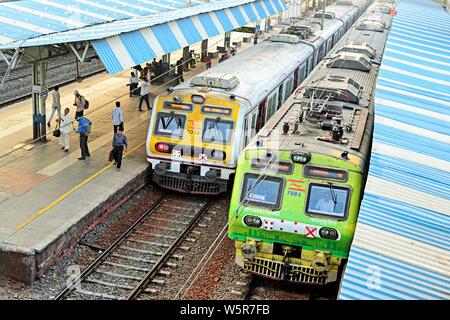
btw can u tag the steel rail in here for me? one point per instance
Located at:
(166, 255)
(92, 267)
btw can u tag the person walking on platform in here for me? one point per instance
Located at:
(120, 145)
(180, 70)
(208, 62)
(255, 39)
(145, 84)
(56, 105)
(80, 103)
(66, 127)
(84, 129)
(134, 82)
(117, 117)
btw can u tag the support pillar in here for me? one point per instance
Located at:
(39, 74)
(166, 58)
(227, 40)
(204, 49)
(186, 57)
(35, 99)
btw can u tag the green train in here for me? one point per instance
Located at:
(299, 183)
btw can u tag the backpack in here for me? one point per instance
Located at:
(86, 103)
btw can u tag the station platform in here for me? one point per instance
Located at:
(49, 199)
(401, 247)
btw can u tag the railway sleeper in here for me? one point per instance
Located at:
(121, 256)
(164, 273)
(126, 266)
(155, 253)
(108, 284)
(150, 243)
(95, 294)
(118, 275)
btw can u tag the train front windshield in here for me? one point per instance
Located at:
(217, 131)
(170, 124)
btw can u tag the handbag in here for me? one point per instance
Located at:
(57, 132)
(110, 157)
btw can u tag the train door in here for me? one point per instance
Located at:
(310, 65)
(329, 45)
(272, 104)
(261, 119)
(288, 87)
(297, 74)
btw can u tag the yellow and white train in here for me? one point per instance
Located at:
(198, 128)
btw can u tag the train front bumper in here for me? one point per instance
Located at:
(192, 184)
(263, 261)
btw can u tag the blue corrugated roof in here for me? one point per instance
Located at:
(43, 22)
(126, 50)
(401, 248)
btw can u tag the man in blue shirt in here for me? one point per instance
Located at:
(120, 144)
(84, 129)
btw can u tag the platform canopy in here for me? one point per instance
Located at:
(125, 33)
(401, 247)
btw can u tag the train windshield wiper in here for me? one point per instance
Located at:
(333, 196)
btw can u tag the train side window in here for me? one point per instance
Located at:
(170, 124)
(263, 191)
(327, 200)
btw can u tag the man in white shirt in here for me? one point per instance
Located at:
(56, 105)
(134, 82)
(117, 117)
(145, 84)
(66, 127)
(326, 204)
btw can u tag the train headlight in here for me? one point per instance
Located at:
(328, 233)
(249, 251)
(218, 154)
(197, 99)
(320, 262)
(300, 157)
(252, 221)
(162, 147)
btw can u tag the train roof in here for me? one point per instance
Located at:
(252, 69)
(338, 93)
(255, 68)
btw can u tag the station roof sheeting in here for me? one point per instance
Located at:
(126, 50)
(401, 248)
(124, 33)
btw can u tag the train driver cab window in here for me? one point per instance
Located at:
(217, 131)
(327, 200)
(170, 124)
(263, 191)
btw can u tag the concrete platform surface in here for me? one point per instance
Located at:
(49, 199)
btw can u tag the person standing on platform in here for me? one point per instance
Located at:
(117, 117)
(134, 82)
(208, 61)
(145, 84)
(255, 40)
(80, 103)
(66, 127)
(180, 70)
(84, 129)
(56, 105)
(120, 145)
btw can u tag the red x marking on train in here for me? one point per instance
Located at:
(203, 157)
(295, 185)
(310, 232)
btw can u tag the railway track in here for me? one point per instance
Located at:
(258, 288)
(136, 263)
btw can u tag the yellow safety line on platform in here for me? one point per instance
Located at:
(62, 197)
